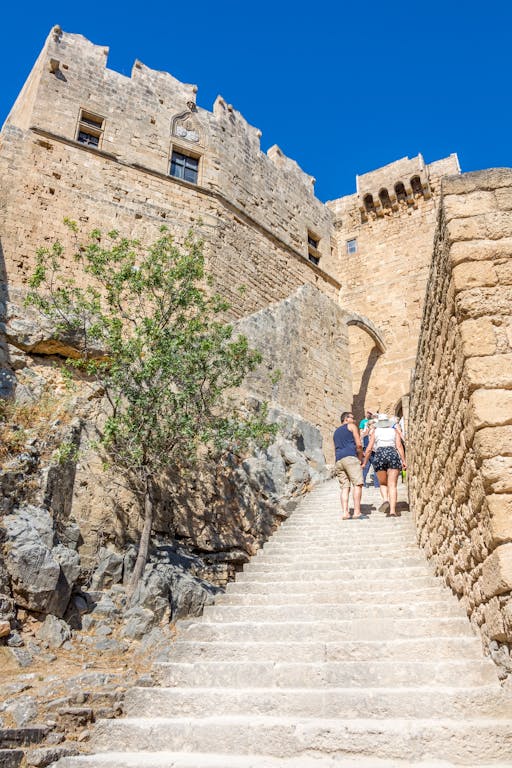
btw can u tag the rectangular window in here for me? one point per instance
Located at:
(184, 167)
(352, 246)
(90, 129)
(313, 243)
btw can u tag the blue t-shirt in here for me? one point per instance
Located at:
(344, 442)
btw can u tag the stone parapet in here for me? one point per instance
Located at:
(460, 436)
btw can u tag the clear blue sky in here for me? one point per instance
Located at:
(342, 87)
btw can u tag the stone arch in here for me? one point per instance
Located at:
(366, 346)
(385, 198)
(416, 185)
(400, 191)
(371, 329)
(368, 203)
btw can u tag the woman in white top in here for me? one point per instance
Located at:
(388, 461)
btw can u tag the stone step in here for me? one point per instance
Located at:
(278, 567)
(335, 548)
(399, 574)
(314, 585)
(432, 702)
(337, 674)
(216, 760)
(354, 629)
(318, 597)
(431, 649)
(467, 741)
(330, 612)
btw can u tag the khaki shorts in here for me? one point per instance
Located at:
(349, 471)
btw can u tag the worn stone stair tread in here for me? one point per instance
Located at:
(217, 760)
(364, 629)
(463, 740)
(336, 702)
(422, 594)
(328, 673)
(325, 611)
(438, 647)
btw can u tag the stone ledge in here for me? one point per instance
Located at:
(489, 179)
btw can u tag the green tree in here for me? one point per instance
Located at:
(149, 329)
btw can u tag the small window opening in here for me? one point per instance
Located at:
(352, 246)
(368, 203)
(313, 243)
(401, 194)
(90, 129)
(184, 167)
(416, 185)
(385, 198)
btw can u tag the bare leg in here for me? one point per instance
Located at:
(392, 483)
(358, 491)
(345, 491)
(383, 488)
(383, 483)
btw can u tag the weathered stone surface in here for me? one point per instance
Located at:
(109, 570)
(489, 372)
(478, 337)
(54, 632)
(497, 571)
(491, 407)
(500, 510)
(42, 572)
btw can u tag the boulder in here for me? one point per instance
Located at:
(54, 632)
(42, 575)
(109, 570)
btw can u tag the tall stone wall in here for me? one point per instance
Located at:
(255, 210)
(460, 444)
(305, 339)
(390, 230)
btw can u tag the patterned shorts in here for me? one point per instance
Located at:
(386, 458)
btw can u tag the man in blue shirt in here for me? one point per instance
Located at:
(348, 467)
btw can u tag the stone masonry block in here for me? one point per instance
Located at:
(500, 511)
(478, 337)
(492, 226)
(470, 204)
(497, 571)
(493, 441)
(474, 274)
(496, 474)
(491, 407)
(504, 198)
(481, 250)
(476, 302)
(492, 178)
(489, 372)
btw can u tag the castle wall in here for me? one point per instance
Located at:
(257, 209)
(460, 437)
(305, 339)
(385, 278)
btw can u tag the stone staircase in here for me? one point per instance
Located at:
(336, 646)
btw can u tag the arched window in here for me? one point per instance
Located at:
(384, 198)
(416, 185)
(368, 203)
(400, 192)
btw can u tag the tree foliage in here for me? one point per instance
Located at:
(151, 331)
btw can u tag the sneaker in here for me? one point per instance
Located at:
(384, 508)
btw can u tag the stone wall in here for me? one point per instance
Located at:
(460, 444)
(305, 341)
(384, 278)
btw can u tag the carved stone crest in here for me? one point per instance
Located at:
(186, 126)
